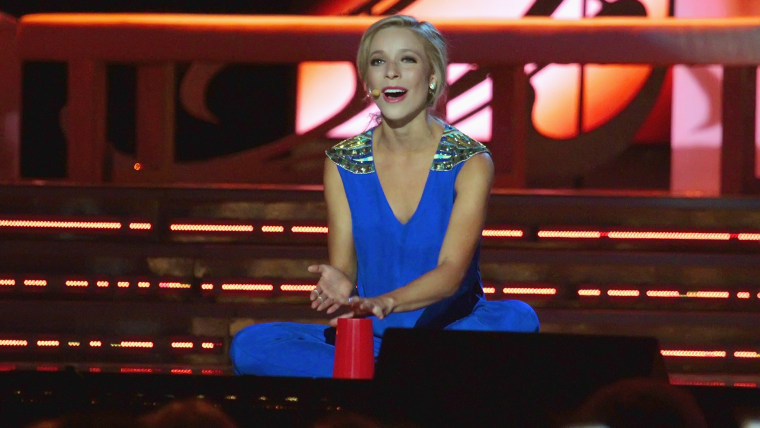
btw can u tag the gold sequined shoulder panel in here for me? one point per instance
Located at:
(454, 148)
(354, 154)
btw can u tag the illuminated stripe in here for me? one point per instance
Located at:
(745, 385)
(123, 284)
(663, 293)
(173, 285)
(52, 224)
(502, 233)
(272, 229)
(7, 282)
(143, 284)
(133, 344)
(247, 287)
(692, 353)
(208, 345)
(77, 283)
(489, 290)
(527, 290)
(589, 292)
(48, 343)
(297, 287)
(748, 236)
(570, 234)
(102, 284)
(211, 372)
(700, 236)
(136, 370)
(181, 371)
(309, 229)
(182, 345)
(140, 226)
(207, 286)
(743, 295)
(15, 343)
(74, 344)
(35, 283)
(623, 293)
(746, 354)
(708, 294)
(211, 228)
(96, 344)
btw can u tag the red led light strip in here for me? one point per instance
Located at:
(502, 233)
(59, 224)
(234, 228)
(645, 235)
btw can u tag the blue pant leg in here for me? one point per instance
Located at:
(282, 349)
(499, 315)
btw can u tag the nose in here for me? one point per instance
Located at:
(391, 72)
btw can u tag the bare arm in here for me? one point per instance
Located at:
(468, 215)
(337, 279)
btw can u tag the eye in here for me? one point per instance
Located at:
(409, 59)
(376, 61)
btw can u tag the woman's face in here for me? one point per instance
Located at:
(400, 70)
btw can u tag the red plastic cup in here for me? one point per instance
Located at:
(354, 349)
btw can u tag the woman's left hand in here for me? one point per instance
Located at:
(366, 306)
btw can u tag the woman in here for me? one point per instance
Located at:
(406, 205)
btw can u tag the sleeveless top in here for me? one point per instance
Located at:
(391, 254)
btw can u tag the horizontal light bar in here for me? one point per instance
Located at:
(297, 287)
(272, 229)
(623, 293)
(645, 235)
(489, 290)
(140, 226)
(570, 234)
(502, 233)
(309, 229)
(589, 292)
(247, 287)
(746, 354)
(529, 291)
(53, 224)
(174, 285)
(690, 236)
(236, 228)
(684, 353)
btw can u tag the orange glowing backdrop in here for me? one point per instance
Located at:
(559, 111)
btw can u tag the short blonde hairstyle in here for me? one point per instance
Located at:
(435, 49)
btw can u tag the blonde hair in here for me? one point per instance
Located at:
(434, 45)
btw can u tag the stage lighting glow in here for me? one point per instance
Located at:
(102, 284)
(686, 353)
(122, 284)
(663, 293)
(233, 228)
(748, 236)
(35, 283)
(136, 370)
(143, 284)
(211, 372)
(208, 345)
(7, 282)
(133, 344)
(174, 285)
(708, 294)
(13, 343)
(140, 226)
(272, 229)
(309, 229)
(207, 286)
(247, 287)
(670, 235)
(48, 343)
(590, 292)
(489, 290)
(746, 354)
(745, 385)
(96, 344)
(181, 371)
(77, 283)
(570, 234)
(502, 233)
(182, 345)
(297, 287)
(743, 295)
(623, 293)
(74, 344)
(53, 224)
(529, 291)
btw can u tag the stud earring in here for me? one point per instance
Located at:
(432, 86)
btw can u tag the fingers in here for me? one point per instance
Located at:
(315, 268)
(334, 321)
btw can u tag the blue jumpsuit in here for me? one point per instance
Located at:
(389, 254)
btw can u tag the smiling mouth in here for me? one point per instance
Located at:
(394, 93)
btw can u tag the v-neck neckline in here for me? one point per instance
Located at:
(424, 189)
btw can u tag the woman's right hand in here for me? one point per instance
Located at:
(333, 288)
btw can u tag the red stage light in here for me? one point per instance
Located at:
(529, 291)
(140, 226)
(35, 283)
(685, 353)
(247, 287)
(7, 282)
(589, 292)
(207, 286)
(309, 229)
(182, 345)
(13, 343)
(489, 290)
(746, 354)
(272, 229)
(76, 283)
(48, 343)
(502, 233)
(743, 295)
(708, 294)
(173, 285)
(58, 224)
(748, 236)
(570, 234)
(297, 287)
(181, 371)
(234, 228)
(700, 236)
(623, 293)
(133, 344)
(663, 293)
